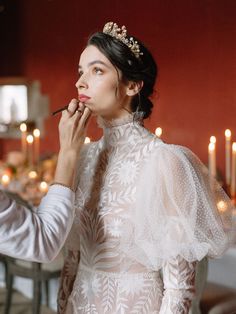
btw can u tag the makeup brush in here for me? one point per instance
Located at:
(59, 110)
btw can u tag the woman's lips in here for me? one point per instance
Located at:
(83, 98)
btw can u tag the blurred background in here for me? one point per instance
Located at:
(194, 44)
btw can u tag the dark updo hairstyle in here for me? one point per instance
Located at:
(132, 68)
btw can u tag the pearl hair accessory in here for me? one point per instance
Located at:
(113, 30)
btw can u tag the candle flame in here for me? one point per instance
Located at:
(36, 133)
(87, 140)
(228, 133)
(158, 132)
(213, 139)
(234, 146)
(23, 127)
(211, 147)
(30, 139)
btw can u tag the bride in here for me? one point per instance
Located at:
(146, 211)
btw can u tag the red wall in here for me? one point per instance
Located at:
(192, 40)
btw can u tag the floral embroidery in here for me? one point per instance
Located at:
(132, 286)
(115, 227)
(126, 172)
(91, 286)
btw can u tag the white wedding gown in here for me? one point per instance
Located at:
(143, 219)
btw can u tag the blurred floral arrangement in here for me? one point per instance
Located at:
(31, 183)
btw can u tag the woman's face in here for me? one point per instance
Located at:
(100, 86)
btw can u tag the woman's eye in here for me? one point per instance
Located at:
(80, 73)
(98, 70)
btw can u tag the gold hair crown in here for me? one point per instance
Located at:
(113, 30)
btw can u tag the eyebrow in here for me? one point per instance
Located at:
(95, 62)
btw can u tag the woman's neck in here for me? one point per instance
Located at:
(121, 114)
(126, 118)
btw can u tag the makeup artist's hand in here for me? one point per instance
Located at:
(73, 125)
(72, 131)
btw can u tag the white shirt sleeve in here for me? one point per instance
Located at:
(38, 235)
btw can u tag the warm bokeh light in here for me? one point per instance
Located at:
(43, 187)
(213, 139)
(158, 132)
(87, 140)
(30, 139)
(5, 180)
(36, 133)
(23, 127)
(32, 174)
(211, 147)
(228, 133)
(234, 146)
(222, 207)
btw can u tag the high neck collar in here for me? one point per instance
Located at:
(118, 122)
(122, 131)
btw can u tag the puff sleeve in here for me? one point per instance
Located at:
(181, 211)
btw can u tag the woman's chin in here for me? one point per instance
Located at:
(90, 107)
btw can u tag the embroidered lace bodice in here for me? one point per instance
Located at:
(131, 250)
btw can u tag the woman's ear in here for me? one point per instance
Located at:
(134, 88)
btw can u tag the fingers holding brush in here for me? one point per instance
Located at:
(72, 126)
(86, 114)
(71, 108)
(83, 117)
(72, 130)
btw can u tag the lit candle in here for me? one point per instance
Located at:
(23, 128)
(233, 174)
(213, 139)
(87, 140)
(212, 159)
(30, 140)
(158, 132)
(227, 155)
(43, 187)
(36, 134)
(32, 174)
(5, 180)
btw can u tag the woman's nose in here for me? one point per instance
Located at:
(81, 83)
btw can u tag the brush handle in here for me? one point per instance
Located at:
(60, 110)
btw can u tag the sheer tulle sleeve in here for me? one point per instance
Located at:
(180, 211)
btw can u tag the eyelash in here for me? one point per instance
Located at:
(95, 69)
